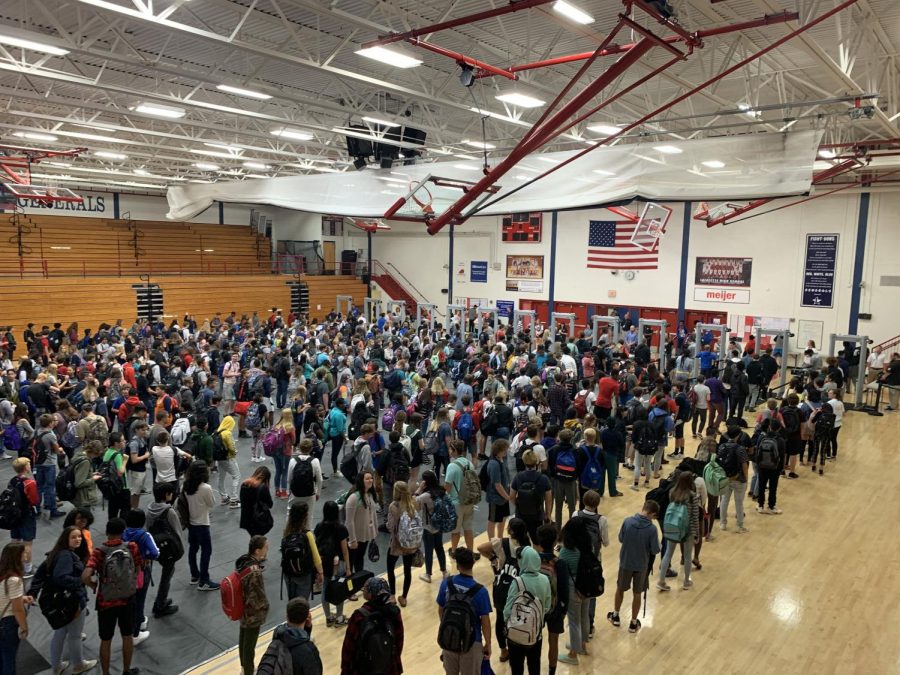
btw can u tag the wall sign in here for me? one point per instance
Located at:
(93, 203)
(506, 308)
(818, 270)
(460, 276)
(733, 272)
(525, 286)
(525, 266)
(478, 271)
(729, 295)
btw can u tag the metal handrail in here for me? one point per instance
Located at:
(377, 264)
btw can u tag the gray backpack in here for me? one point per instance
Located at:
(118, 575)
(278, 659)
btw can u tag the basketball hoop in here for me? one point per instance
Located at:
(423, 199)
(431, 197)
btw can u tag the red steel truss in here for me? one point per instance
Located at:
(16, 161)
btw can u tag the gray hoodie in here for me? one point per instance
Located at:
(640, 542)
(156, 510)
(304, 654)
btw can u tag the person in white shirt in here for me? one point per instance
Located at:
(164, 457)
(875, 364)
(701, 391)
(305, 448)
(568, 365)
(200, 501)
(834, 400)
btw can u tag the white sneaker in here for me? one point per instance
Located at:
(60, 668)
(145, 625)
(426, 578)
(742, 530)
(760, 509)
(776, 511)
(85, 666)
(143, 635)
(723, 525)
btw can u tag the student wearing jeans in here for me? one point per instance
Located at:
(432, 538)
(46, 467)
(682, 493)
(533, 581)
(360, 511)
(701, 391)
(200, 501)
(737, 484)
(229, 466)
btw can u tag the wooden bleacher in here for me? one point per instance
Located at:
(94, 300)
(69, 246)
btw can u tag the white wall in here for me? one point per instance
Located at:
(882, 259)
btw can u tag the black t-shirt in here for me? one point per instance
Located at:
(143, 387)
(328, 540)
(39, 395)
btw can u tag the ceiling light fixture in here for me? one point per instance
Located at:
(572, 12)
(465, 167)
(549, 160)
(499, 116)
(389, 56)
(713, 164)
(204, 166)
(603, 172)
(215, 153)
(249, 93)
(291, 134)
(110, 155)
(258, 166)
(32, 45)
(605, 129)
(384, 123)
(90, 137)
(158, 110)
(222, 146)
(521, 100)
(480, 145)
(827, 154)
(36, 136)
(668, 149)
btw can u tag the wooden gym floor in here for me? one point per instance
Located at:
(811, 591)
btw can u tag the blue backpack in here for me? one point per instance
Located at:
(676, 524)
(592, 473)
(465, 427)
(443, 517)
(12, 439)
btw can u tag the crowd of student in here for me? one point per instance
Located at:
(423, 426)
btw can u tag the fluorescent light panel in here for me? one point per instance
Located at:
(215, 153)
(35, 136)
(572, 12)
(713, 164)
(158, 110)
(668, 149)
(480, 145)
(258, 166)
(384, 123)
(605, 129)
(110, 155)
(827, 154)
(204, 166)
(32, 45)
(292, 134)
(238, 91)
(520, 100)
(389, 56)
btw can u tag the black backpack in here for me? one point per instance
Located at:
(110, 483)
(12, 505)
(219, 451)
(399, 463)
(376, 643)
(457, 629)
(767, 454)
(505, 575)
(727, 457)
(791, 417)
(660, 494)
(303, 482)
(647, 441)
(528, 501)
(169, 543)
(296, 555)
(65, 481)
(589, 575)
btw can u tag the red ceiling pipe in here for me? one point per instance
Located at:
(456, 56)
(861, 144)
(625, 213)
(650, 35)
(767, 20)
(453, 23)
(541, 136)
(678, 99)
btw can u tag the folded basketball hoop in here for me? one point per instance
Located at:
(432, 196)
(651, 226)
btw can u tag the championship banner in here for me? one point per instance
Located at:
(732, 272)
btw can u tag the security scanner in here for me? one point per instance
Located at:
(863, 342)
(698, 337)
(456, 311)
(661, 325)
(556, 317)
(344, 304)
(423, 309)
(610, 322)
(372, 307)
(398, 307)
(785, 336)
(494, 315)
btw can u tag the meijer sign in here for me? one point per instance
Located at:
(731, 295)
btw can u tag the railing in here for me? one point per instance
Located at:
(888, 344)
(389, 269)
(27, 267)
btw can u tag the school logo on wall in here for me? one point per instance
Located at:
(92, 204)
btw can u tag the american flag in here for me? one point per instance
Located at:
(610, 247)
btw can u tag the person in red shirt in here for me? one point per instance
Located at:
(377, 595)
(114, 611)
(128, 374)
(607, 387)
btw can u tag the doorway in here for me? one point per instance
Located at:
(328, 258)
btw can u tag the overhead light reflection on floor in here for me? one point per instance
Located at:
(785, 607)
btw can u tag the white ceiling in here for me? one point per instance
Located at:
(122, 53)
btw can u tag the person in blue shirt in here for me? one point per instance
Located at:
(467, 663)
(441, 425)
(336, 426)
(135, 521)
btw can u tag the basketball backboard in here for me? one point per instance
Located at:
(651, 226)
(47, 194)
(432, 196)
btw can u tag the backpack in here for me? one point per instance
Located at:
(566, 465)
(647, 442)
(715, 477)
(65, 481)
(526, 618)
(767, 454)
(118, 573)
(505, 575)
(483, 476)
(349, 466)
(469, 491)
(296, 555)
(580, 404)
(465, 426)
(548, 569)
(13, 506)
(431, 442)
(677, 522)
(231, 592)
(824, 422)
(279, 660)
(375, 643)
(273, 441)
(12, 439)
(303, 480)
(589, 575)
(528, 502)
(110, 483)
(97, 431)
(393, 381)
(443, 515)
(257, 383)
(387, 420)
(791, 417)
(70, 437)
(592, 473)
(219, 451)
(169, 543)
(399, 464)
(39, 451)
(180, 431)
(409, 531)
(457, 629)
(254, 417)
(727, 457)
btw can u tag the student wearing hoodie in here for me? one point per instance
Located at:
(531, 580)
(161, 509)
(377, 595)
(86, 493)
(229, 466)
(558, 574)
(134, 531)
(256, 604)
(291, 644)
(640, 544)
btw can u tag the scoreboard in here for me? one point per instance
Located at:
(522, 228)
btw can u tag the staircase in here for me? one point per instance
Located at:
(396, 286)
(888, 344)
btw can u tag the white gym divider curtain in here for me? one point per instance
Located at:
(750, 166)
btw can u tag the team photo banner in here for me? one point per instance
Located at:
(732, 272)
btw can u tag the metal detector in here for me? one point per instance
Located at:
(397, 305)
(722, 330)
(368, 305)
(344, 300)
(561, 316)
(661, 325)
(611, 322)
(863, 342)
(421, 308)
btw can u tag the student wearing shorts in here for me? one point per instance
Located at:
(640, 543)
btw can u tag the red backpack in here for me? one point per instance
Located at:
(232, 591)
(478, 413)
(580, 404)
